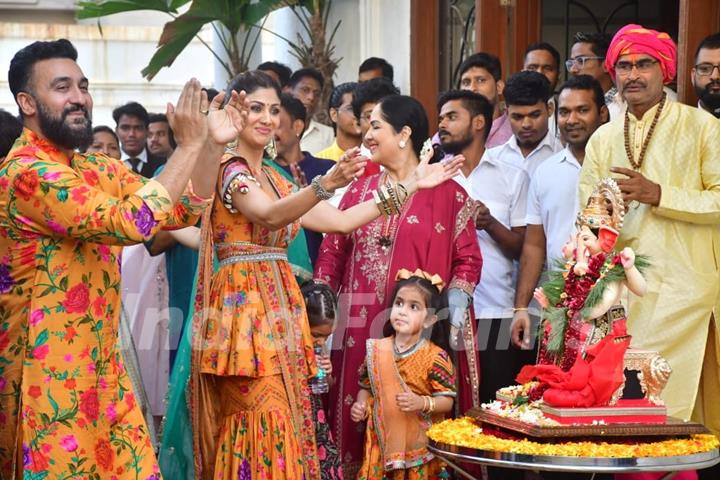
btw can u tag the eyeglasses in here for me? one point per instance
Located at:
(579, 61)
(643, 66)
(706, 69)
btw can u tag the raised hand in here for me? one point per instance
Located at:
(187, 119)
(350, 166)
(226, 123)
(429, 176)
(627, 257)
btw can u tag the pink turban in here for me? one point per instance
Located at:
(637, 39)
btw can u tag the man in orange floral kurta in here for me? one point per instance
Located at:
(67, 410)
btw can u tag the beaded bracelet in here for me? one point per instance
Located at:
(319, 190)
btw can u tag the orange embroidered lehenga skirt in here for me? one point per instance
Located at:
(252, 351)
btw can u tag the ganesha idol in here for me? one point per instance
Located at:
(581, 359)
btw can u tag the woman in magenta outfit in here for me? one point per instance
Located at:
(434, 232)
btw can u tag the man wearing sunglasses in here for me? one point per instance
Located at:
(706, 74)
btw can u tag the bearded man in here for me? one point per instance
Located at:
(706, 74)
(66, 404)
(665, 156)
(500, 190)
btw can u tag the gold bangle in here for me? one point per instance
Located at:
(402, 193)
(520, 309)
(396, 201)
(385, 197)
(393, 198)
(380, 201)
(425, 404)
(432, 405)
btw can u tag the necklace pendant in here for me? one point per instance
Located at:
(385, 242)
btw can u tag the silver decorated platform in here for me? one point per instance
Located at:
(454, 455)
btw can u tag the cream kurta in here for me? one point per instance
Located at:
(682, 238)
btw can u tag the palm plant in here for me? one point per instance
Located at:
(229, 18)
(315, 48)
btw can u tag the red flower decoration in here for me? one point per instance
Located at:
(41, 352)
(91, 177)
(26, 183)
(104, 455)
(39, 462)
(34, 391)
(99, 306)
(70, 333)
(77, 299)
(90, 404)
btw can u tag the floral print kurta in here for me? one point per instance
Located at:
(67, 410)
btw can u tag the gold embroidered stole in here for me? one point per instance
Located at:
(401, 435)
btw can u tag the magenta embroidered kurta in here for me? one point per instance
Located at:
(434, 232)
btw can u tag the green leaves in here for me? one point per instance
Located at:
(228, 18)
(95, 9)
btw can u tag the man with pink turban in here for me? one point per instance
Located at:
(666, 158)
(635, 38)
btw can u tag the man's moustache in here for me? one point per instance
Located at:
(632, 84)
(75, 108)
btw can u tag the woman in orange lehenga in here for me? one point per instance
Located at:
(252, 350)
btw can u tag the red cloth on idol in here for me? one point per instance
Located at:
(638, 39)
(591, 381)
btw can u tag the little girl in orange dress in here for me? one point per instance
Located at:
(407, 382)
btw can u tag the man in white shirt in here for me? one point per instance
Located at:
(500, 189)
(526, 96)
(306, 85)
(552, 198)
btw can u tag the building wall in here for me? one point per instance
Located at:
(368, 28)
(112, 61)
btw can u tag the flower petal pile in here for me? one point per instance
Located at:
(464, 432)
